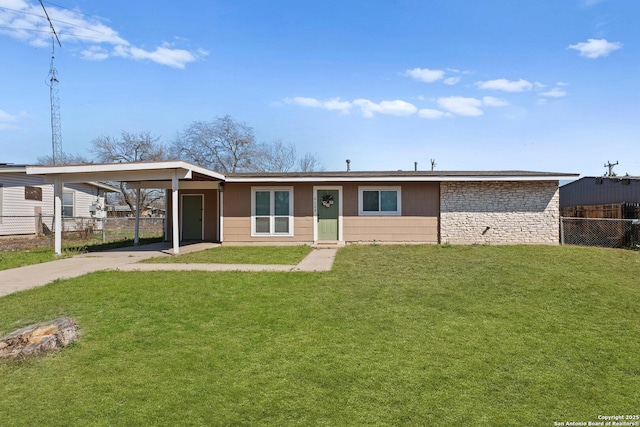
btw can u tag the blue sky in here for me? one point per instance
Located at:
(549, 85)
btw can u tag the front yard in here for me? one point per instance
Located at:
(394, 335)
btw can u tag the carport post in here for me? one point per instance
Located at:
(57, 215)
(175, 185)
(136, 233)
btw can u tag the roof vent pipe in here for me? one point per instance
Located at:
(348, 165)
(415, 166)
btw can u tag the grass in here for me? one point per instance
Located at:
(287, 255)
(21, 258)
(437, 335)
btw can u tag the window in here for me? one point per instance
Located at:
(32, 193)
(1, 197)
(68, 198)
(271, 211)
(380, 201)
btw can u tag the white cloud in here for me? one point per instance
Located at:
(490, 101)
(176, 58)
(506, 85)
(367, 107)
(335, 104)
(556, 92)
(448, 106)
(471, 107)
(428, 113)
(90, 33)
(425, 75)
(451, 81)
(461, 106)
(595, 48)
(8, 121)
(394, 108)
(95, 53)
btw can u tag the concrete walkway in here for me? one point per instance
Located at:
(126, 259)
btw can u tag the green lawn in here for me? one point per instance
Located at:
(406, 335)
(287, 255)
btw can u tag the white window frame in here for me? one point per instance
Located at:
(272, 215)
(1, 201)
(362, 212)
(73, 206)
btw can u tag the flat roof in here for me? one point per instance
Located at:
(404, 176)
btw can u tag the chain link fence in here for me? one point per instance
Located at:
(603, 232)
(78, 228)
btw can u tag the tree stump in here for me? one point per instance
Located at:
(38, 339)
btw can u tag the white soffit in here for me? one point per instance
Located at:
(151, 171)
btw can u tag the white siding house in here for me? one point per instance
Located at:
(26, 201)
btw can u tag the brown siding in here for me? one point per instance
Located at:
(210, 204)
(418, 223)
(391, 229)
(237, 214)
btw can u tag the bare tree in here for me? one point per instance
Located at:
(131, 147)
(309, 163)
(274, 157)
(223, 144)
(279, 156)
(65, 159)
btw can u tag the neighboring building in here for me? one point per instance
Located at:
(589, 191)
(503, 207)
(26, 199)
(601, 197)
(124, 211)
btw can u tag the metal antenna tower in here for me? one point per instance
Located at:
(56, 127)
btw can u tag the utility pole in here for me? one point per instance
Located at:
(610, 166)
(56, 126)
(433, 164)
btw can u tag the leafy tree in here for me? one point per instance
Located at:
(131, 147)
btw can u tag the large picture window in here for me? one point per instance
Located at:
(380, 201)
(272, 211)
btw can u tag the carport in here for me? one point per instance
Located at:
(172, 176)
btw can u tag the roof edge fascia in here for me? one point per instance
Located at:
(121, 167)
(232, 180)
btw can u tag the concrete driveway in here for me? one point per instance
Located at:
(126, 259)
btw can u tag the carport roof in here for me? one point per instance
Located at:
(133, 171)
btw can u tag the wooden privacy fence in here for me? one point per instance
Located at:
(611, 211)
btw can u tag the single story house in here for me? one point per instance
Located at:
(502, 207)
(27, 202)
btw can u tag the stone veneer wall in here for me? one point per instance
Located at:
(497, 212)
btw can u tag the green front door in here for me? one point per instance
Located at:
(328, 211)
(192, 217)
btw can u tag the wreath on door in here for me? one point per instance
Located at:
(327, 200)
